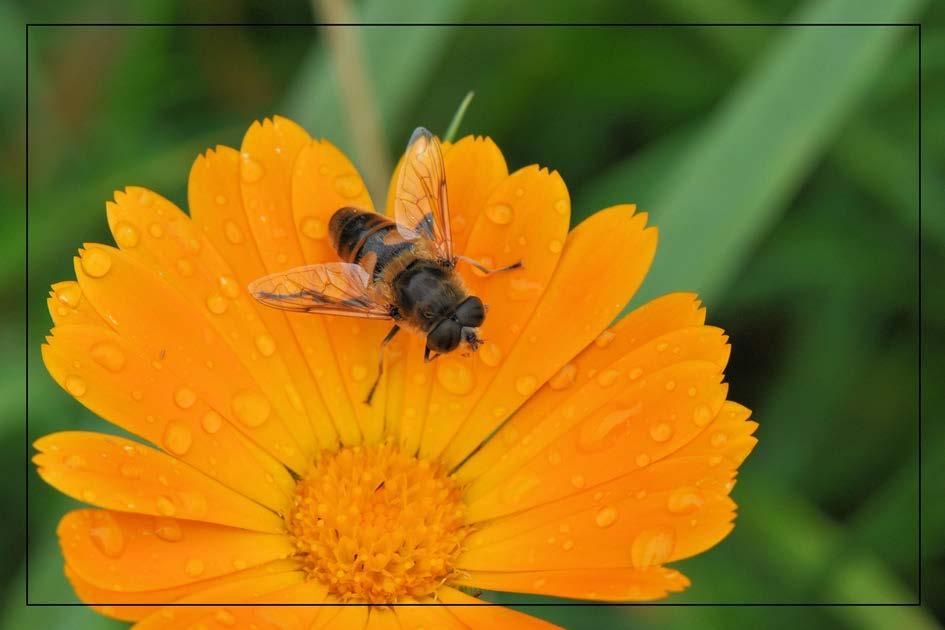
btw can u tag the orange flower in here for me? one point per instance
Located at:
(566, 458)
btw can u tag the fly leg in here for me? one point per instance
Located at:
(426, 355)
(380, 361)
(478, 265)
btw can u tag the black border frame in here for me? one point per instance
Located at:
(916, 26)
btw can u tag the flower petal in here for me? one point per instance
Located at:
(135, 605)
(603, 262)
(162, 324)
(342, 618)
(658, 317)
(486, 616)
(115, 473)
(67, 305)
(267, 156)
(111, 378)
(475, 167)
(216, 206)
(629, 413)
(323, 180)
(525, 219)
(112, 549)
(615, 585)
(171, 246)
(666, 511)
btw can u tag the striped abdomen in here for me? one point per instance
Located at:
(366, 238)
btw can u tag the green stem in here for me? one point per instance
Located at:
(450, 134)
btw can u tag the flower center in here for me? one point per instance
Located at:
(377, 525)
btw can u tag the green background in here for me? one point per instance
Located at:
(780, 165)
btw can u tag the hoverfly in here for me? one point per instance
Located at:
(402, 270)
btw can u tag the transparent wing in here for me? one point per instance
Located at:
(421, 208)
(329, 289)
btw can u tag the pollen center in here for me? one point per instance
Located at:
(377, 525)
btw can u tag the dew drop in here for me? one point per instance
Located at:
(564, 378)
(96, 262)
(702, 415)
(605, 338)
(567, 545)
(562, 206)
(358, 372)
(642, 460)
(251, 170)
(266, 345)
(606, 517)
(194, 567)
(220, 200)
(490, 354)
(670, 385)
(635, 373)
(225, 617)
(607, 378)
(692, 392)
(455, 376)
(348, 186)
(137, 394)
(229, 287)
(125, 234)
(177, 437)
(251, 408)
(577, 481)
(185, 397)
(313, 228)
(75, 461)
(555, 246)
(108, 355)
(70, 294)
(684, 500)
(719, 439)
(216, 304)
(523, 289)
(661, 431)
(500, 213)
(168, 529)
(75, 385)
(599, 432)
(233, 232)
(652, 547)
(106, 534)
(185, 267)
(554, 458)
(165, 506)
(525, 385)
(130, 471)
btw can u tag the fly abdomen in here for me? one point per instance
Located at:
(365, 238)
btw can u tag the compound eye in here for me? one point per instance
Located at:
(445, 337)
(471, 312)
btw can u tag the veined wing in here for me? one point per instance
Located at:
(334, 288)
(421, 207)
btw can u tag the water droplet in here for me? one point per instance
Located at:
(554, 458)
(661, 347)
(251, 171)
(75, 385)
(358, 372)
(137, 394)
(233, 232)
(225, 617)
(96, 262)
(251, 408)
(313, 228)
(642, 460)
(555, 246)
(455, 376)
(525, 385)
(692, 392)
(605, 338)
(684, 500)
(229, 287)
(108, 355)
(599, 432)
(567, 545)
(348, 186)
(577, 481)
(165, 506)
(635, 373)
(70, 294)
(564, 378)
(194, 567)
(211, 422)
(606, 517)
(216, 304)
(125, 234)
(220, 200)
(130, 471)
(185, 397)
(652, 547)
(75, 461)
(168, 529)
(106, 534)
(607, 378)
(702, 415)
(266, 345)
(670, 385)
(294, 399)
(661, 431)
(500, 213)
(522, 289)
(177, 437)
(490, 354)
(715, 460)
(719, 439)
(185, 267)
